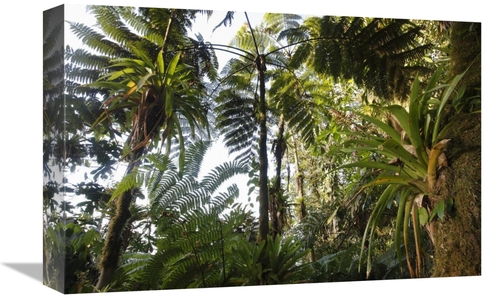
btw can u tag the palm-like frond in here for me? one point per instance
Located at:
(109, 20)
(298, 98)
(139, 24)
(236, 121)
(191, 228)
(97, 41)
(373, 52)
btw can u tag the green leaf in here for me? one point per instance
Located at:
(431, 84)
(438, 210)
(109, 85)
(370, 164)
(406, 226)
(142, 57)
(115, 75)
(415, 112)
(383, 126)
(423, 215)
(143, 80)
(160, 63)
(410, 160)
(168, 99)
(182, 149)
(374, 219)
(444, 99)
(410, 123)
(171, 69)
(400, 222)
(449, 204)
(402, 115)
(399, 180)
(415, 90)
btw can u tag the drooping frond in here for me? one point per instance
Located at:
(81, 75)
(277, 23)
(194, 157)
(301, 101)
(227, 21)
(50, 39)
(235, 112)
(83, 58)
(140, 24)
(97, 41)
(375, 53)
(109, 20)
(213, 180)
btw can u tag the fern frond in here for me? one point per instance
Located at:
(154, 269)
(109, 21)
(275, 23)
(222, 173)
(51, 37)
(220, 202)
(97, 41)
(176, 191)
(81, 75)
(190, 231)
(301, 55)
(83, 58)
(194, 157)
(128, 182)
(371, 52)
(139, 24)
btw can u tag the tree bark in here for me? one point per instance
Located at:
(114, 245)
(263, 178)
(276, 205)
(299, 181)
(458, 236)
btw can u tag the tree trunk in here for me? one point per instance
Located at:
(458, 237)
(276, 208)
(114, 245)
(299, 181)
(263, 188)
(299, 184)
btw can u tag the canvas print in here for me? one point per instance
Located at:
(201, 148)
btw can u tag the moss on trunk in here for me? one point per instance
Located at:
(458, 236)
(113, 246)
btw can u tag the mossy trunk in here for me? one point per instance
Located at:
(276, 208)
(114, 244)
(458, 236)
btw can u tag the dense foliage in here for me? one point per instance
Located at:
(344, 127)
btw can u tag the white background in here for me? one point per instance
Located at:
(21, 124)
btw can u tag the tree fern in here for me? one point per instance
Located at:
(190, 225)
(375, 53)
(109, 20)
